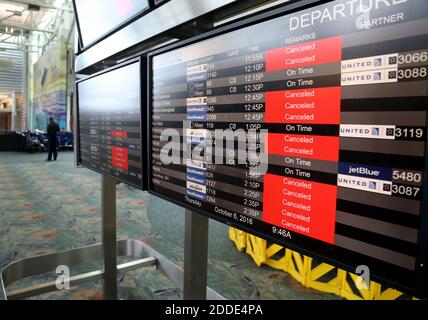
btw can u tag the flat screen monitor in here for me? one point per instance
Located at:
(109, 123)
(324, 111)
(96, 18)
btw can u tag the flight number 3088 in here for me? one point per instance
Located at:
(412, 73)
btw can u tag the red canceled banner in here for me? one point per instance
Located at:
(317, 106)
(119, 157)
(120, 134)
(305, 54)
(304, 146)
(305, 207)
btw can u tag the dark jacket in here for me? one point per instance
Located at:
(52, 130)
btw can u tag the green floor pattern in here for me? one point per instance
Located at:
(52, 206)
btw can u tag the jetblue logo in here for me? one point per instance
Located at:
(374, 172)
(364, 171)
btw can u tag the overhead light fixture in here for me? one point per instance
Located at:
(9, 30)
(15, 12)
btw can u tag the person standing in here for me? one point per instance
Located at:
(52, 131)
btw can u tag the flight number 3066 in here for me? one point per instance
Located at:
(413, 57)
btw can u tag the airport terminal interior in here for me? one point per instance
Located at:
(213, 149)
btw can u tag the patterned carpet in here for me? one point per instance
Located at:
(52, 206)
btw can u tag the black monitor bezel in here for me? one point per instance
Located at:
(341, 258)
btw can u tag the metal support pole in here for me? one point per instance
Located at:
(13, 119)
(109, 245)
(195, 256)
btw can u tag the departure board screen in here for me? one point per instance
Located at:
(96, 18)
(109, 124)
(331, 105)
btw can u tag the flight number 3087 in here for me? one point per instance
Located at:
(407, 191)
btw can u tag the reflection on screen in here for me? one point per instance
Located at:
(109, 124)
(96, 18)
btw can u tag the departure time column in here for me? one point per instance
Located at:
(236, 103)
